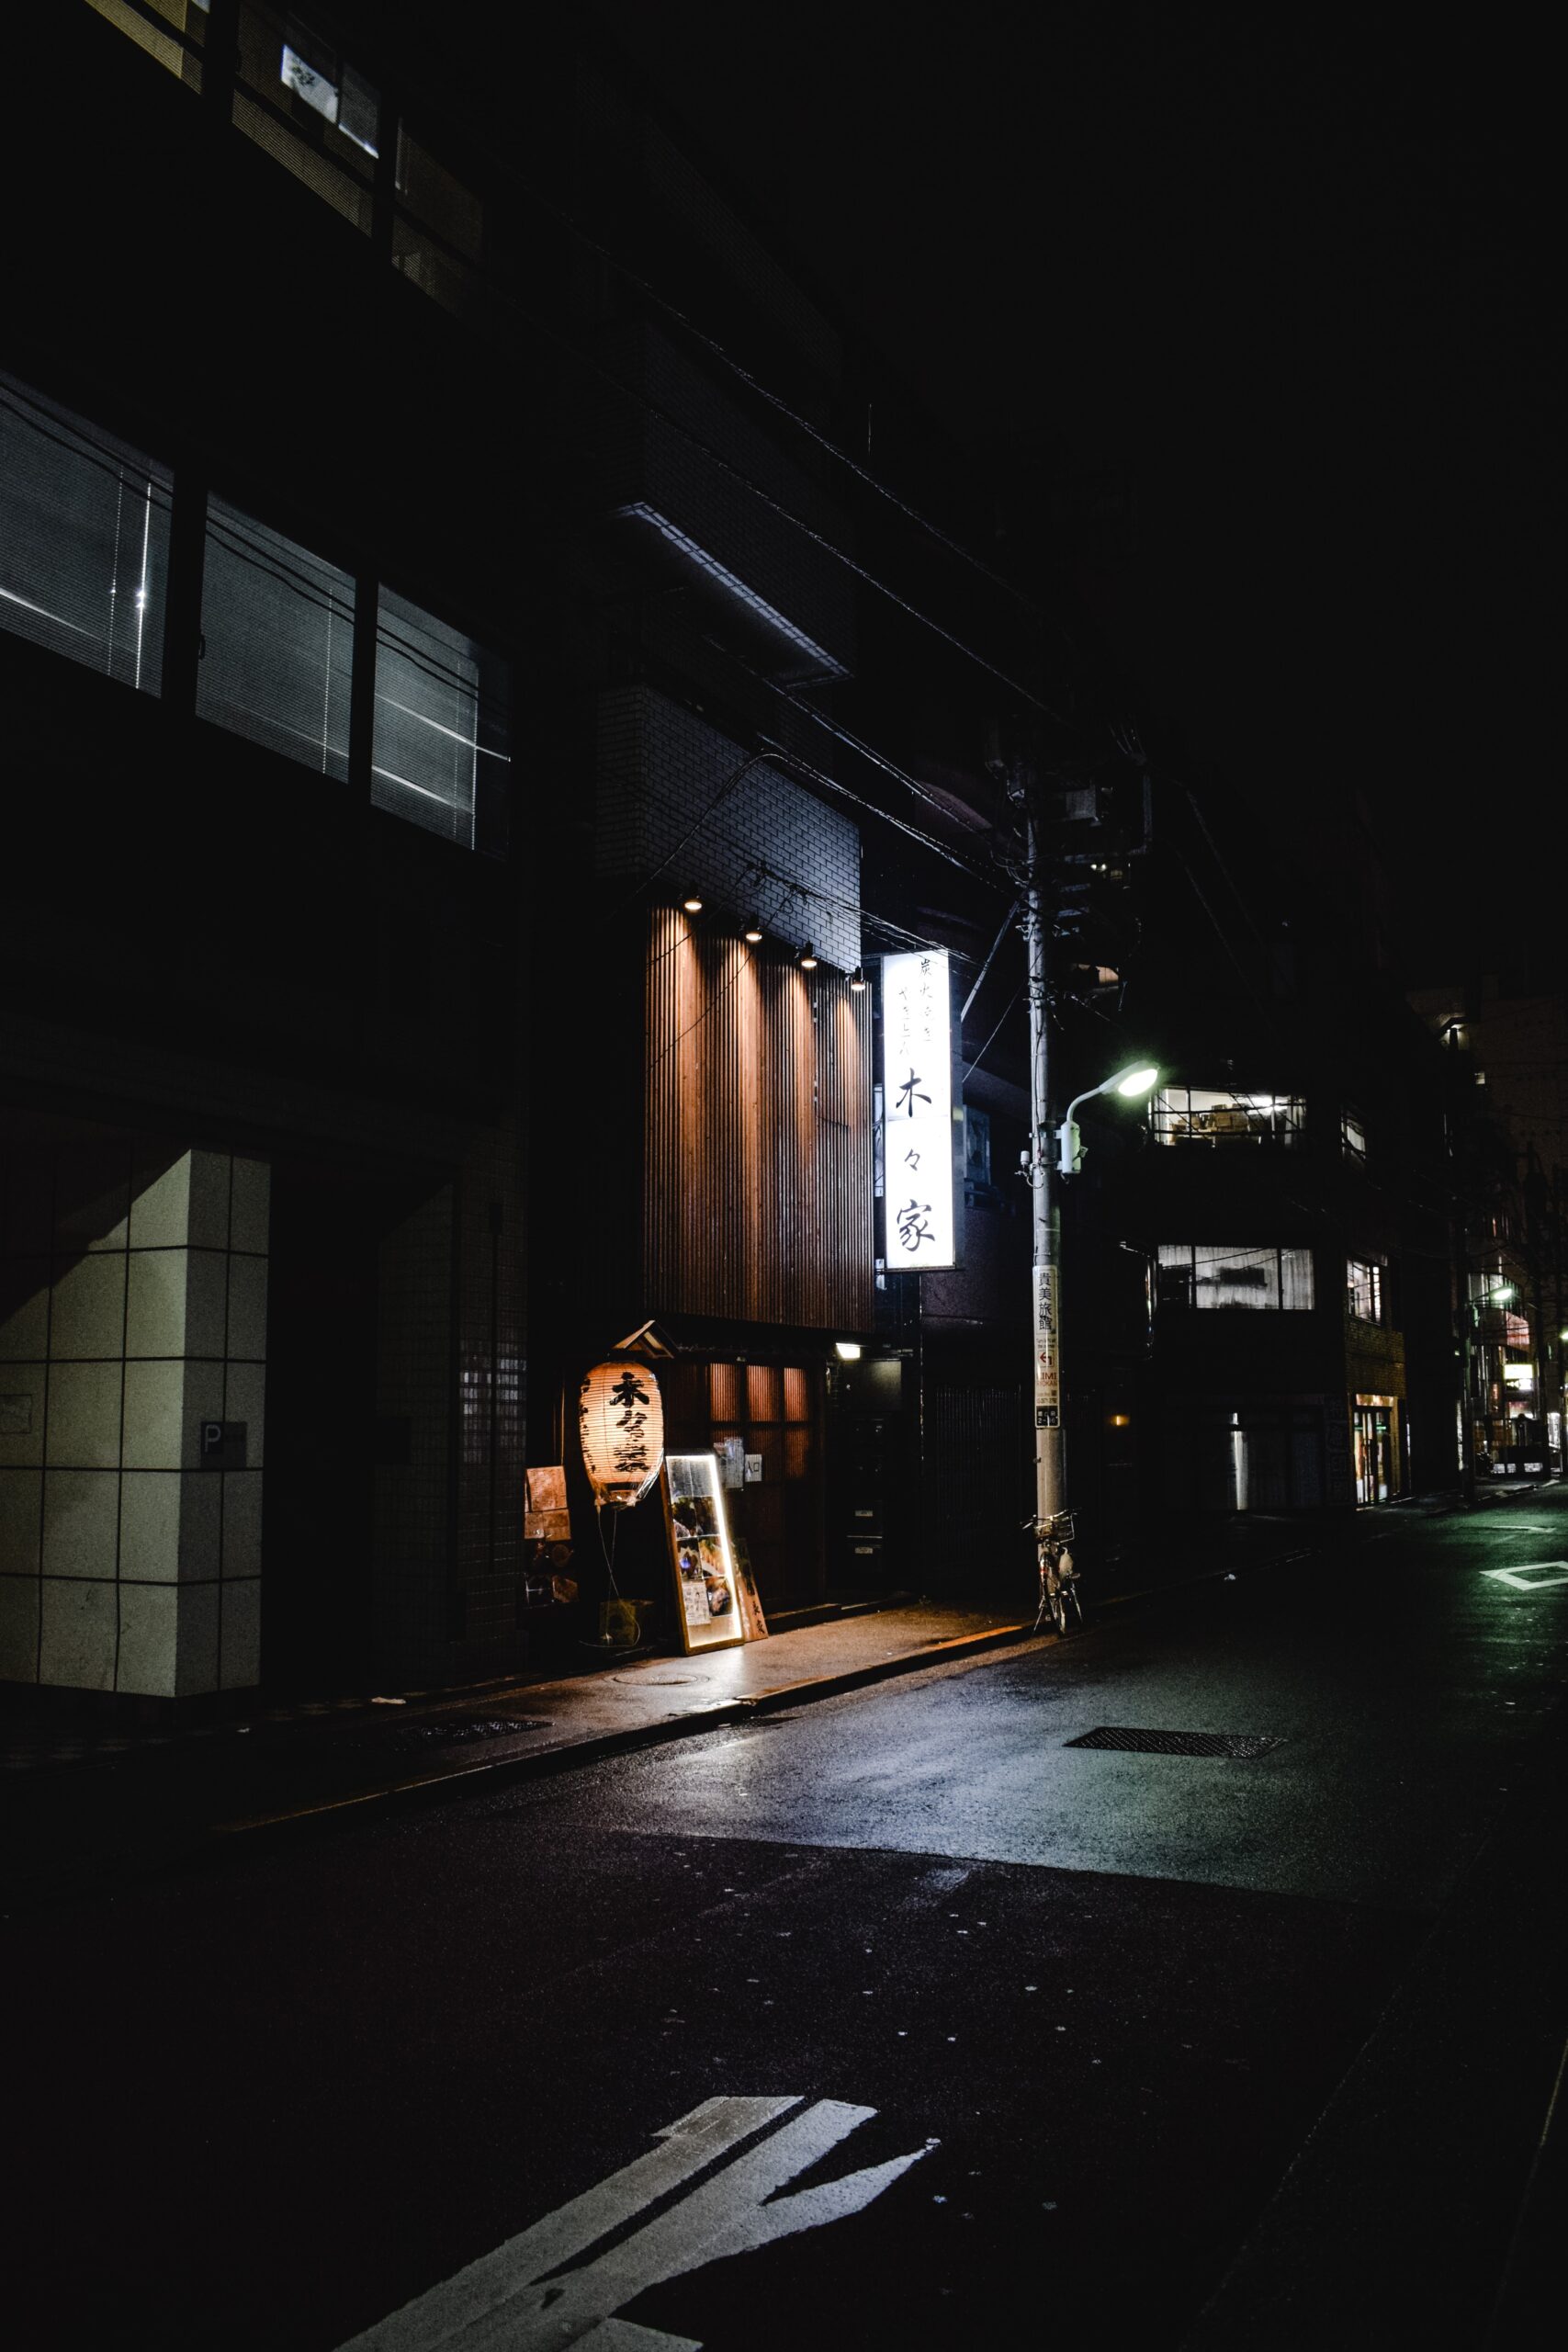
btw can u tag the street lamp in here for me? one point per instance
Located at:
(1137, 1080)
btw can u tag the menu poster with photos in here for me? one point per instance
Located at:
(545, 1519)
(707, 1597)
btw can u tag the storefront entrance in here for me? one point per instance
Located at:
(776, 1412)
(1377, 1463)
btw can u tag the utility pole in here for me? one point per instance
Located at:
(1464, 1313)
(1557, 1325)
(1045, 1216)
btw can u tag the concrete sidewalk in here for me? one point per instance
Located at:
(85, 1815)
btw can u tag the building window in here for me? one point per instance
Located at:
(441, 750)
(1189, 1115)
(1367, 1281)
(438, 231)
(1202, 1274)
(83, 541)
(1354, 1138)
(977, 1147)
(172, 31)
(277, 635)
(309, 109)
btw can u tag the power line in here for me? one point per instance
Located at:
(786, 514)
(774, 400)
(868, 752)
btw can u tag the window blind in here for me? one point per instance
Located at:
(277, 627)
(441, 746)
(84, 539)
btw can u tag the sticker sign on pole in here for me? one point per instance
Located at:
(1047, 1371)
(916, 1110)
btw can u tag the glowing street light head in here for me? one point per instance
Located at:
(1141, 1079)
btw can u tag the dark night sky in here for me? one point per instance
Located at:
(1294, 279)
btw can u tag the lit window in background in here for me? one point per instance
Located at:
(1193, 1114)
(1364, 1288)
(309, 109)
(1202, 1274)
(354, 105)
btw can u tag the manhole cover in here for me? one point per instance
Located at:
(1241, 1746)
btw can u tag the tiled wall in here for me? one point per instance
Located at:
(766, 845)
(132, 1308)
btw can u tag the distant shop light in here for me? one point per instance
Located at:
(808, 958)
(847, 1351)
(694, 905)
(857, 979)
(753, 934)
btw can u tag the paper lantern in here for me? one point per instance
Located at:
(621, 1421)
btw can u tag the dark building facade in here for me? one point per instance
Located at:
(263, 1123)
(477, 725)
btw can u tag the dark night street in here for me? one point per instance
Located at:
(1089, 2009)
(777, 888)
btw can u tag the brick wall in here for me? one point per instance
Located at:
(768, 845)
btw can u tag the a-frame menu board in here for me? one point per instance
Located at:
(707, 1599)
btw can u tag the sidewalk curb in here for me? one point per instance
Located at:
(568, 1754)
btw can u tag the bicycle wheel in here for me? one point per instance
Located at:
(1074, 1596)
(1059, 1610)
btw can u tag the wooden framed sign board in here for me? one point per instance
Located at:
(707, 1597)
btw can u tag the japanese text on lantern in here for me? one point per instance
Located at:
(628, 1423)
(916, 1095)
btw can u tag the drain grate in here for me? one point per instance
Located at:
(455, 1734)
(1241, 1746)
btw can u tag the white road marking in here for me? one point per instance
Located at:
(625, 2336)
(1533, 1575)
(687, 2147)
(508, 2302)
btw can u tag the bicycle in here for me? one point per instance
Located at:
(1058, 1575)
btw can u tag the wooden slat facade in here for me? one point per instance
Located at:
(757, 1202)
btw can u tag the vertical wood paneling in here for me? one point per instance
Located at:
(757, 1130)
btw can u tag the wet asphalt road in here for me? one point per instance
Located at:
(1052, 2023)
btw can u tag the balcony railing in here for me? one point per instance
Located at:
(1193, 1115)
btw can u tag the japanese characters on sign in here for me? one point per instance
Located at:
(1048, 1373)
(621, 1420)
(916, 1098)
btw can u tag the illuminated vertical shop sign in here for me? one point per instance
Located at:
(917, 1111)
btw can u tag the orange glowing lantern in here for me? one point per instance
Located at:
(621, 1421)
